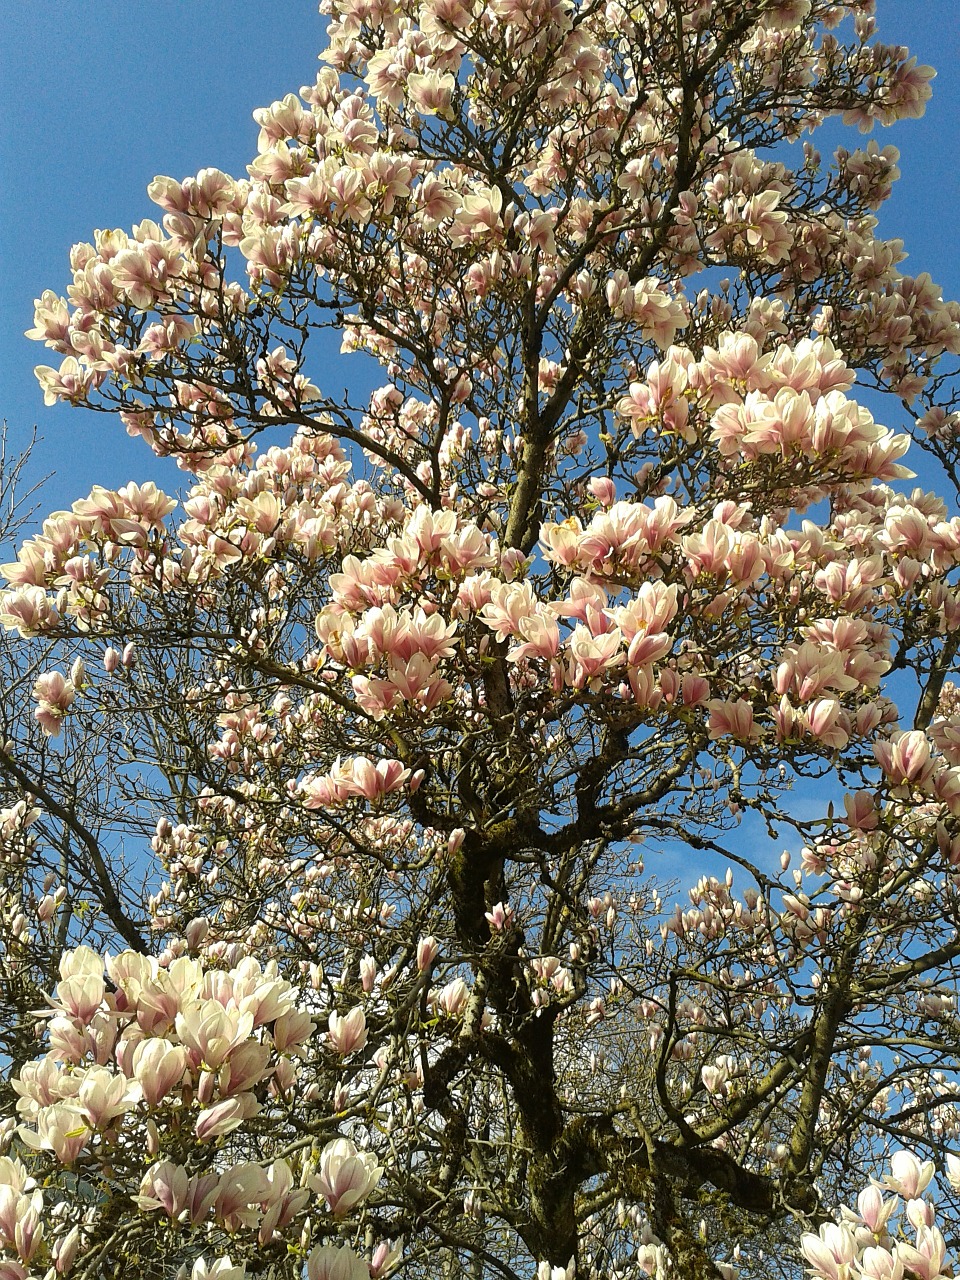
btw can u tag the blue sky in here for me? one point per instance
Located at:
(98, 97)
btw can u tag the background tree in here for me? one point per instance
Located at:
(414, 699)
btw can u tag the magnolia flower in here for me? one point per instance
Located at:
(591, 655)
(546, 1272)
(905, 757)
(164, 1186)
(61, 1128)
(347, 1034)
(291, 1030)
(875, 1209)
(879, 1264)
(222, 1118)
(219, 1269)
(239, 1187)
(368, 973)
(28, 610)
(831, 1252)
(329, 1263)
(70, 382)
(282, 1200)
(732, 719)
(861, 811)
(714, 1078)
(64, 1250)
(52, 318)
(431, 92)
(246, 1065)
(356, 777)
(54, 694)
(80, 993)
(210, 1031)
(385, 1257)
(20, 1219)
(908, 1176)
(104, 1096)
(499, 917)
(346, 1176)
(452, 999)
(927, 1258)
(158, 1067)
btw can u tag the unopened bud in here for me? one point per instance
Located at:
(196, 931)
(427, 949)
(65, 1250)
(7, 1129)
(152, 1144)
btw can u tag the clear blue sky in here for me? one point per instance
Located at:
(98, 96)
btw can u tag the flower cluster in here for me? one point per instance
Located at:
(866, 1243)
(411, 687)
(165, 1061)
(205, 1040)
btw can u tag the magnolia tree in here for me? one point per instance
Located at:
(336, 797)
